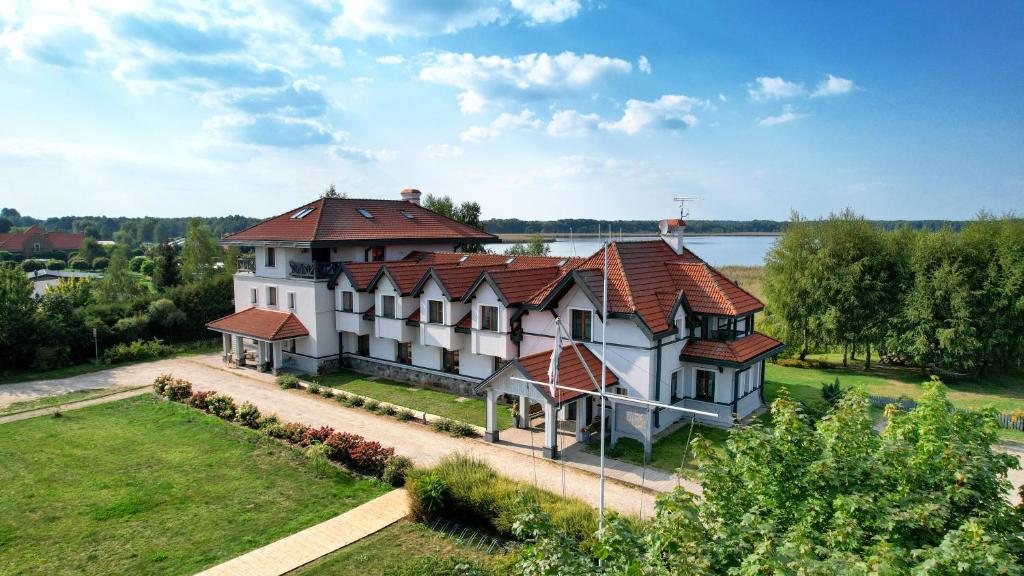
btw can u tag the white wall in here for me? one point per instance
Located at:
(426, 356)
(391, 252)
(383, 348)
(475, 365)
(314, 307)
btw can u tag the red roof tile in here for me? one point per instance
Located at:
(339, 220)
(519, 284)
(737, 351)
(261, 324)
(14, 242)
(415, 316)
(570, 370)
(466, 322)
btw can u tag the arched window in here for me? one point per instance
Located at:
(37, 247)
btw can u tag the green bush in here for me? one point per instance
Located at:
(442, 425)
(404, 415)
(161, 383)
(248, 415)
(313, 388)
(461, 429)
(137, 350)
(287, 381)
(832, 393)
(358, 401)
(55, 265)
(100, 263)
(135, 264)
(179, 390)
(343, 398)
(326, 392)
(388, 410)
(223, 406)
(318, 460)
(32, 265)
(372, 405)
(429, 497)
(77, 263)
(396, 470)
(268, 421)
(148, 267)
(435, 565)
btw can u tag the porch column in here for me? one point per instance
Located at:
(550, 431)
(276, 355)
(581, 418)
(226, 342)
(491, 431)
(611, 420)
(261, 355)
(524, 413)
(649, 436)
(239, 352)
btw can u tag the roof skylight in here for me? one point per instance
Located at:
(301, 213)
(408, 214)
(510, 260)
(365, 213)
(464, 258)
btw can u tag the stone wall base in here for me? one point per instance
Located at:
(410, 374)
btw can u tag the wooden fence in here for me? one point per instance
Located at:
(1008, 421)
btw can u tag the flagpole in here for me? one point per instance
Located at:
(604, 379)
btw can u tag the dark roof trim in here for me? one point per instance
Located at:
(431, 273)
(729, 364)
(485, 277)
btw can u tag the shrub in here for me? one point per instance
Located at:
(268, 421)
(326, 392)
(77, 263)
(201, 400)
(317, 454)
(395, 471)
(372, 405)
(338, 445)
(358, 401)
(316, 435)
(248, 415)
(832, 393)
(436, 565)
(343, 398)
(369, 457)
(222, 406)
(313, 388)
(55, 265)
(135, 264)
(429, 497)
(137, 350)
(100, 263)
(179, 390)
(461, 429)
(293, 431)
(161, 383)
(275, 430)
(287, 381)
(443, 425)
(404, 415)
(388, 410)
(32, 265)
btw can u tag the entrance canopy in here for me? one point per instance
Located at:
(261, 324)
(571, 373)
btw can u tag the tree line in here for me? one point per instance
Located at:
(147, 229)
(591, 226)
(949, 300)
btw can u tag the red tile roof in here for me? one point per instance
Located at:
(332, 221)
(415, 316)
(570, 370)
(737, 351)
(15, 242)
(261, 324)
(519, 284)
(466, 322)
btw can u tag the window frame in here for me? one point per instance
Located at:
(348, 299)
(406, 358)
(430, 312)
(270, 257)
(272, 296)
(384, 309)
(362, 350)
(449, 361)
(485, 310)
(674, 383)
(291, 300)
(254, 298)
(376, 254)
(589, 324)
(701, 388)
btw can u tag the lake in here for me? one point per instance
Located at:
(715, 250)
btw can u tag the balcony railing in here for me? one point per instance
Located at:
(246, 264)
(723, 334)
(313, 270)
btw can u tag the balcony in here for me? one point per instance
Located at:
(313, 270)
(491, 343)
(352, 322)
(724, 334)
(441, 336)
(246, 264)
(394, 328)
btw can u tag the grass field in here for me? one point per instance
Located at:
(669, 452)
(47, 401)
(142, 486)
(750, 278)
(389, 549)
(444, 404)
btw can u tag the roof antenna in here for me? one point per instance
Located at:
(683, 212)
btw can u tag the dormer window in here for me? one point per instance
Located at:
(365, 213)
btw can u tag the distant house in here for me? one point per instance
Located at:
(43, 279)
(34, 241)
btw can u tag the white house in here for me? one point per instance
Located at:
(379, 287)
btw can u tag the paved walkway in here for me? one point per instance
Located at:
(303, 547)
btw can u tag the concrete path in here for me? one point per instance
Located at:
(138, 391)
(303, 547)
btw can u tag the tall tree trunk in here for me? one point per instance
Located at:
(803, 351)
(867, 356)
(853, 351)
(846, 348)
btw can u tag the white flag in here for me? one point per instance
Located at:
(555, 357)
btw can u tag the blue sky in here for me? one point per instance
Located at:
(535, 108)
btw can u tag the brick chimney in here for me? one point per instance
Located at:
(411, 195)
(672, 232)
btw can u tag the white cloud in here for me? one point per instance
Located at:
(722, 98)
(787, 115)
(522, 78)
(572, 123)
(774, 88)
(547, 11)
(644, 65)
(670, 112)
(391, 59)
(437, 151)
(357, 154)
(525, 120)
(833, 86)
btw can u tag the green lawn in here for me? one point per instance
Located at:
(143, 486)
(47, 401)
(668, 452)
(389, 549)
(187, 349)
(469, 410)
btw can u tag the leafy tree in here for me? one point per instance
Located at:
(536, 247)
(467, 213)
(199, 252)
(147, 268)
(15, 318)
(5, 225)
(795, 304)
(202, 302)
(443, 205)
(332, 192)
(166, 273)
(118, 283)
(91, 250)
(135, 264)
(231, 256)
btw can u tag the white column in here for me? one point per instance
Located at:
(239, 351)
(226, 341)
(524, 412)
(581, 418)
(261, 355)
(550, 431)
(276, 354)
(491, 433)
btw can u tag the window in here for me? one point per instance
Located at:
(363, 345)
(435, 312)
(387, 306)
(289, 346)
(291, 300)
(450, 361)
(405, 353)
(252, 296)
(364, 213)
(271, 296)
(37, 247)
(582, 324)
(375, 254)
(706, 385)
(489, 318)
(499, 363)
(346, 301)
(301, 213)
(408, 214)
(674, 383)
(271, 257)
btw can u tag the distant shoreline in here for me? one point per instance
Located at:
(516, 238)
